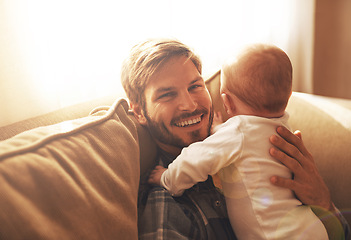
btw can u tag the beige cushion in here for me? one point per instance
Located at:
(63, 114)
(74, 180)
(325, 124)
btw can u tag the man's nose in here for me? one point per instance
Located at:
(187, 102)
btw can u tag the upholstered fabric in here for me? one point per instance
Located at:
(67, 113)
(326, 132)
(74, 180)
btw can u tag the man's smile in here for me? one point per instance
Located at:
(189, 122)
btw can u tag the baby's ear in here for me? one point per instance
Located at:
(228, 104)
(138, 113)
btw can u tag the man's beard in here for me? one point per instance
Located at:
(160, 132)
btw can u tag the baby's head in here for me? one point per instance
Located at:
(260, 78)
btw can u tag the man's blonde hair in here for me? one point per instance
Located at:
(145, 60)
(261, 77)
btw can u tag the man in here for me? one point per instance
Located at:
(162, 79)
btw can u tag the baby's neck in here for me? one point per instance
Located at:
(264, 114)
(271, 115)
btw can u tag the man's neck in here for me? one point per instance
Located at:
(173, 150)
(165, 157)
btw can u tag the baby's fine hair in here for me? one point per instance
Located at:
(261, 77)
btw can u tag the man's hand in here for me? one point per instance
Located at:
(155, 175)
(307, 183)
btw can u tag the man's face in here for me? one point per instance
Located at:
(178, 109)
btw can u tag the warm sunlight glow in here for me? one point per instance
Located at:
(71, 51)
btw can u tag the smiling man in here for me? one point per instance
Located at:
(178, 107)
(162, 79)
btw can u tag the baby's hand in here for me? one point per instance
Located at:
(155, 175)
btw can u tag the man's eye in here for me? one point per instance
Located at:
(166, 95)
(193, 87)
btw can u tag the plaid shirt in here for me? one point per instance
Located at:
(200, 213)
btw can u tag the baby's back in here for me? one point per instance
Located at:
(257, 209)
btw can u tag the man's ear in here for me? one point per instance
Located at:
(138, 113)
(229, 104)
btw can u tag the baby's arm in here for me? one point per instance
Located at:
(155, 175)
(197, 161)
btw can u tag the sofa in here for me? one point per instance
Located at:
(74, 173)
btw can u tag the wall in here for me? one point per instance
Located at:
(332, 48)
(301, 42)
(18, 97)
(38, 61)
(57, 53)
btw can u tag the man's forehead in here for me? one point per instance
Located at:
(179, 68)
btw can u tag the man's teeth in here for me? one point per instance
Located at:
(188, 122)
